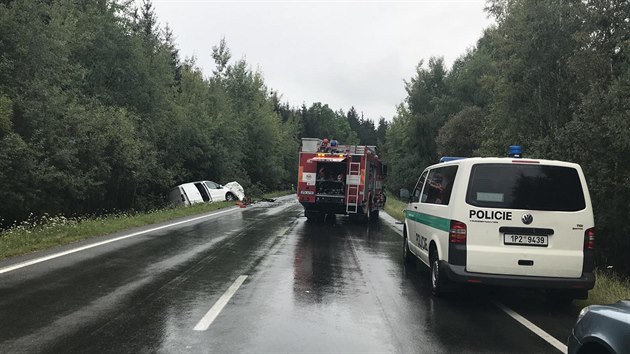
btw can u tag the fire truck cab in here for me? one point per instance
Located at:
(340, 179)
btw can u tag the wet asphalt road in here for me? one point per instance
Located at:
(311, 287)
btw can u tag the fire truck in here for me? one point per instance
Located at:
(340, 179)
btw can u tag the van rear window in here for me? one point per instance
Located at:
(533, 187)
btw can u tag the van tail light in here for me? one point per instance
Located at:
(457, 232)
(589, 239)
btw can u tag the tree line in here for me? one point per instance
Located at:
(100, 113)
(552, 76)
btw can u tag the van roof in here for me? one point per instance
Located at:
(505, 160)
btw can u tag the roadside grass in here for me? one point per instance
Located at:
(394, 207)
(47, 232)
(609, 287)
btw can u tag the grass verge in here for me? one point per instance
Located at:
(609, 287)
(48, 232)
(394, 207)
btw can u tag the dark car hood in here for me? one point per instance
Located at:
(619, 306)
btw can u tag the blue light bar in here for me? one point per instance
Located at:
(450, 158)
(515, 151)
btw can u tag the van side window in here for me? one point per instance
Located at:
(418, 189)
(439, 185)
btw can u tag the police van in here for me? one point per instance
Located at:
(503, 221)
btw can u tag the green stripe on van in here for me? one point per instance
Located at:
(429, 220)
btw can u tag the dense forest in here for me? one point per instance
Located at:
(552, 76)
(99, 112)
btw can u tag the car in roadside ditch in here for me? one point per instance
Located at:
(602, 329)
(205, 191)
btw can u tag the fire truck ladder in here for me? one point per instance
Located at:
(352, 200)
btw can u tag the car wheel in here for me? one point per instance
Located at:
(437, 279)
(230, 197)
(374, 215)
(593, 348)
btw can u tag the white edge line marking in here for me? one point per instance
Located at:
(79, 249)
(284, 231)
(532, 327)
(212, 314)
(392, 224)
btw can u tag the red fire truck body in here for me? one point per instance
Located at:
(344, 179)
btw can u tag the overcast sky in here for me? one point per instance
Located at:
(341, 53)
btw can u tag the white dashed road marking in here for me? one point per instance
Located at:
(212, 314)
(532, 327)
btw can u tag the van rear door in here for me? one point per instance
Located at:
(527, 219)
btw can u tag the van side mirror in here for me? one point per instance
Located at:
(404, 194)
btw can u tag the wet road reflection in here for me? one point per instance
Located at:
(312, 287)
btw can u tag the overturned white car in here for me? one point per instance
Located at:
(205, 191)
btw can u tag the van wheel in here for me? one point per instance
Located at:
(560, 297)
(374, 215)
(230, 197)
(437, 279)
(407, 256)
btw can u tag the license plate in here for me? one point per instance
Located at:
(526, 240)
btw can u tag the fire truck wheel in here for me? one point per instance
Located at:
(356, 218)
(314, 215)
